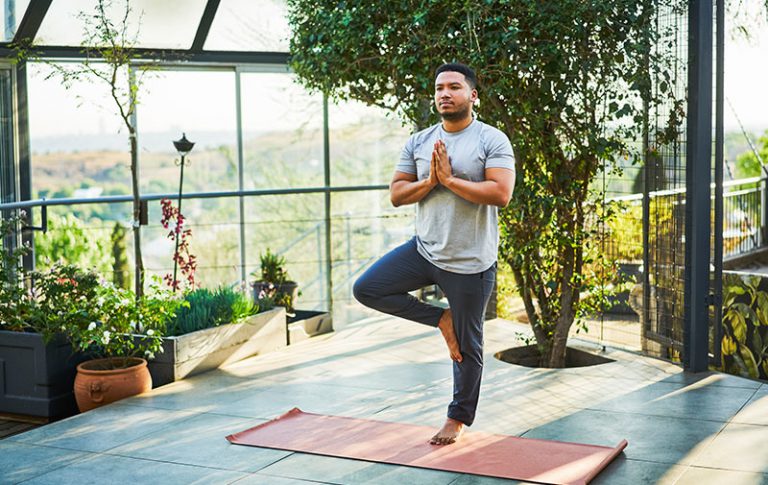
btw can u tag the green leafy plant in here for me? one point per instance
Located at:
(15, 302)
(745, 327)
(275, 287)
(273, 268)
(210, 308)
(68, 241)
(123, 326)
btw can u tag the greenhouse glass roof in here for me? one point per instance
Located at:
(226, 26)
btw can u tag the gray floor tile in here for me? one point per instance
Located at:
(353, 472)
(118, 470)
(259, 479)
(324, 398)
(102, 428)
(201, 441)
(709, 476)
(755, 411)
(20, 461)
(623, 471)
(698, 400)
(738, 447)
(659, 439)
(202, 393)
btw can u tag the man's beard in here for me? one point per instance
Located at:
(456, 115)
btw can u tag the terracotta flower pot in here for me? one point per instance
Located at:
(97, 384)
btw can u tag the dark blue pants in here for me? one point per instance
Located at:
(385, 286)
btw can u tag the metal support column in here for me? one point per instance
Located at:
(240, 172)
(698, 180)
(25, 158)
(327, 183)
(717, 282)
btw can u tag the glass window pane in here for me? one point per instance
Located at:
(79, 145)
(249, 25)
(170, 104)
(282, 132)
(12, 12)
(215, 241)
(365, 226)
(291, 226)
(365, 143)
(170, 24)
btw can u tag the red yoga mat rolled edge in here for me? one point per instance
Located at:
(477, 453)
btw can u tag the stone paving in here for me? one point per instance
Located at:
(682, 428)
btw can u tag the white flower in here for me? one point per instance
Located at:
(105, 338)
(150, 332)
(125, 302)
(100, 301)
(132, 325)
(91, 326)
(148, 354)
(63, 327)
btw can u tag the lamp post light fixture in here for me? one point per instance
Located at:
(183, 146)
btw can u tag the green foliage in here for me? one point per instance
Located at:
(747, 163)
(745, 327)
(14, 300)
(566, 81)
(120, 269)
(210, 308)
(120, 325)
(68, 241)
(273, 268)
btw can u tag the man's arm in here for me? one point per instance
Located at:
(496, 189)
(406, 189)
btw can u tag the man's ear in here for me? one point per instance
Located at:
(473, 96)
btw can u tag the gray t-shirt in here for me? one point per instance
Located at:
(455, 234)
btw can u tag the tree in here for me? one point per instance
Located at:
(748, 164)
(109, 58)
(567, 81)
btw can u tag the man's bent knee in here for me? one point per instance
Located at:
(362, 292)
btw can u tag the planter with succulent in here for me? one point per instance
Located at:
(215, 328)
(274, 286)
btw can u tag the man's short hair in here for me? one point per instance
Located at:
(469, 73)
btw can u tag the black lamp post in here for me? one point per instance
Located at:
(183, 146)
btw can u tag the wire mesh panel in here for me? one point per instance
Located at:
(664, 194)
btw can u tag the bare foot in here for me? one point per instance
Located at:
(449, 433)
(446, 328)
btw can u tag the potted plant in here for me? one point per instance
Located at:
(123, 330)
(274, 286)
(36, 308)
(214, 328)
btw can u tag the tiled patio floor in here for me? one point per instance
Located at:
(689, 429)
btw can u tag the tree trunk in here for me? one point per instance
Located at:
(139, 263)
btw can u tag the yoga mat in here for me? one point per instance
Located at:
(476, 453)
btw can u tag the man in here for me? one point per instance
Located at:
(457, 172)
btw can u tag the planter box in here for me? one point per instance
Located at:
(210, 348)
(307, 324)
(37, 379)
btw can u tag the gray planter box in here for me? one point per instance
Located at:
(307, 324)
(37, 379)
(208, 349)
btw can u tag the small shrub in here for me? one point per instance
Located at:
(211, 308)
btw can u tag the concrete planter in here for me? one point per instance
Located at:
(37, 379)
(210, 348)
(307, 324)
